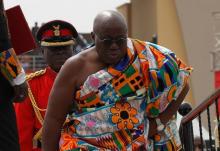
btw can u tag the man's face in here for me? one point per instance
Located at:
(111, 43)
(56, 56)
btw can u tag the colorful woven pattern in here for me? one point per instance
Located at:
(115, 102)
(10, 67)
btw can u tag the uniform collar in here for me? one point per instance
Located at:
(51, 72)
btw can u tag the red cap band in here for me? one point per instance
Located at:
(50, 33)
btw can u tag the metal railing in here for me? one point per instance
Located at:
(32, 63)
(202, 113)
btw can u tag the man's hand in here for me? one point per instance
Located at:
(172, 109)
(20, 92)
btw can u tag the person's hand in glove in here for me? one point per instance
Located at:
(20, 92)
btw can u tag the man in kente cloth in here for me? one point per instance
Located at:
(126, 93)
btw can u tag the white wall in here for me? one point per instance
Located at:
(197, 27)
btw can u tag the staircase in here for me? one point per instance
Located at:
(202, 113)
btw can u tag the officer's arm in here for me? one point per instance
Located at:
(60, 103)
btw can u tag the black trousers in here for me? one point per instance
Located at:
(8, 128)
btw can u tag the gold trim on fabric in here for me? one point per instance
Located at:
(37, 110)
(70, 42)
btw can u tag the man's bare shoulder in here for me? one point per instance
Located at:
(76, 64)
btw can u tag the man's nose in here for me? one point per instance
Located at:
(114, 45)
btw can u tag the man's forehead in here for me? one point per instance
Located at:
(113, 30)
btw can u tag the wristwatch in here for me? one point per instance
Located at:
(160, 125)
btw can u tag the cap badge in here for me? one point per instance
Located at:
(56, 30)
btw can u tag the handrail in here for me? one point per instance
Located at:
(194, 113)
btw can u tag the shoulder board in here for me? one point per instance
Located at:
(35, 74)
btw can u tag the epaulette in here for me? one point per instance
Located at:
(35, 74)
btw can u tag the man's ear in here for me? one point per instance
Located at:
(93, 35)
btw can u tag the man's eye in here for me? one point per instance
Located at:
(107, 41)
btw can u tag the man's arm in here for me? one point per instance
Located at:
(9, 65)
(60, 103)
(168, 113)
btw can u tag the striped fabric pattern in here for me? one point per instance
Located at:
(11, 68)
(115, 102)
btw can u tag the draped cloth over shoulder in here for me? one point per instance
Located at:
(115, 102)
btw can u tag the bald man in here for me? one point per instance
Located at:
(124, 92)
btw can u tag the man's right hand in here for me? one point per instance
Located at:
(20, 92)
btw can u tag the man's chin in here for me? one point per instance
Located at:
(111, 61)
